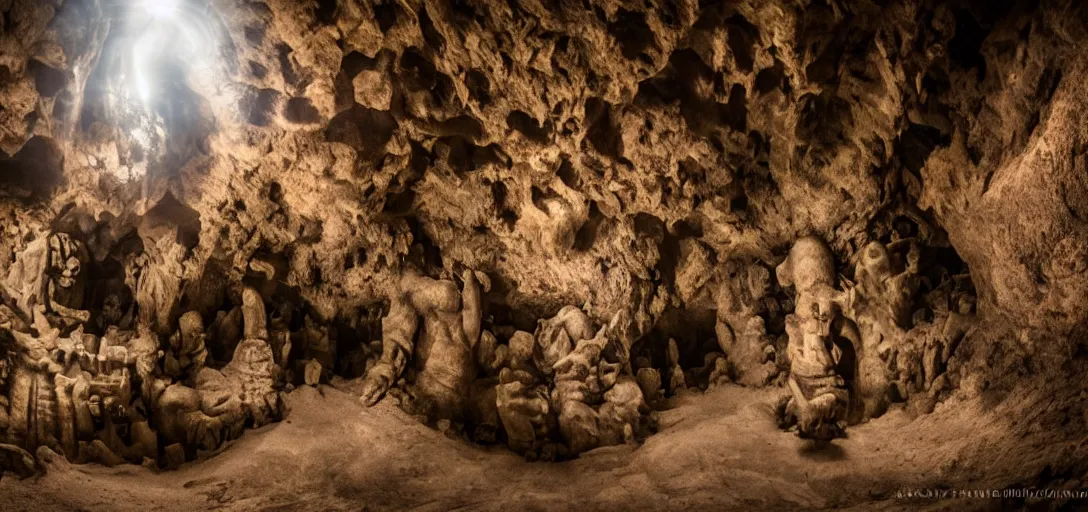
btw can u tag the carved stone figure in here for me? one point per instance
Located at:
(524, 410)
(594, 399)
(32, 395)
(194, 419)
(556, 337)
(821, 343)
(577, 387)
(156, 276)
(621, 413)
(73, 394)
(48, 273)
(887, 294)
(740, 329)
(442, 349)
(187, 351)
(896, 359)
(223, 402)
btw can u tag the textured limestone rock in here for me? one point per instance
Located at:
(621, 156)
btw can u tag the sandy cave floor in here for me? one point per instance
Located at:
(715, 451)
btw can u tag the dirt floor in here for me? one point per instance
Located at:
(715, 451)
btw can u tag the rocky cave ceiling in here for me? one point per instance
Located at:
(614, 153)
(632, 158)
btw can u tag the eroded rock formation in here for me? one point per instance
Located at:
(206, 206)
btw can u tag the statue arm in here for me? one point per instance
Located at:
(398, 335)
(398, 342)
(79, 315)
(471, 309)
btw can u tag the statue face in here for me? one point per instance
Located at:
(877, 261)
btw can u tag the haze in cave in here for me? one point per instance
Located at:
(543, 255)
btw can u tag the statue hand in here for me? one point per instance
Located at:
(484, 280)
(376, 383)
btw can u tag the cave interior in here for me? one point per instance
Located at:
(543, 254)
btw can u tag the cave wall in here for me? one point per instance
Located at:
(602, 152)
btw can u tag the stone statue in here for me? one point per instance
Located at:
(223, 402)
(594, 398)
(524, 410)
(557, 336)
(436, 328)
(48, 273)
(900, 352)
(821, 343)
(740, 329)
(109, 399)
(887, 294)
(156, 277)
(187, 353)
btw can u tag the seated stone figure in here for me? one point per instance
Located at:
(557, 336)
(821, 344)
(524, 410)
(567, 390)
(74, 395)
(442, 349)
(32, 414)
(155, 277)
(884, 293)
(223, 402)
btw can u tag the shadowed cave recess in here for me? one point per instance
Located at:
(551, 231)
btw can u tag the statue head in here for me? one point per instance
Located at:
(876, 259)
(191, 327)
(808, 265)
